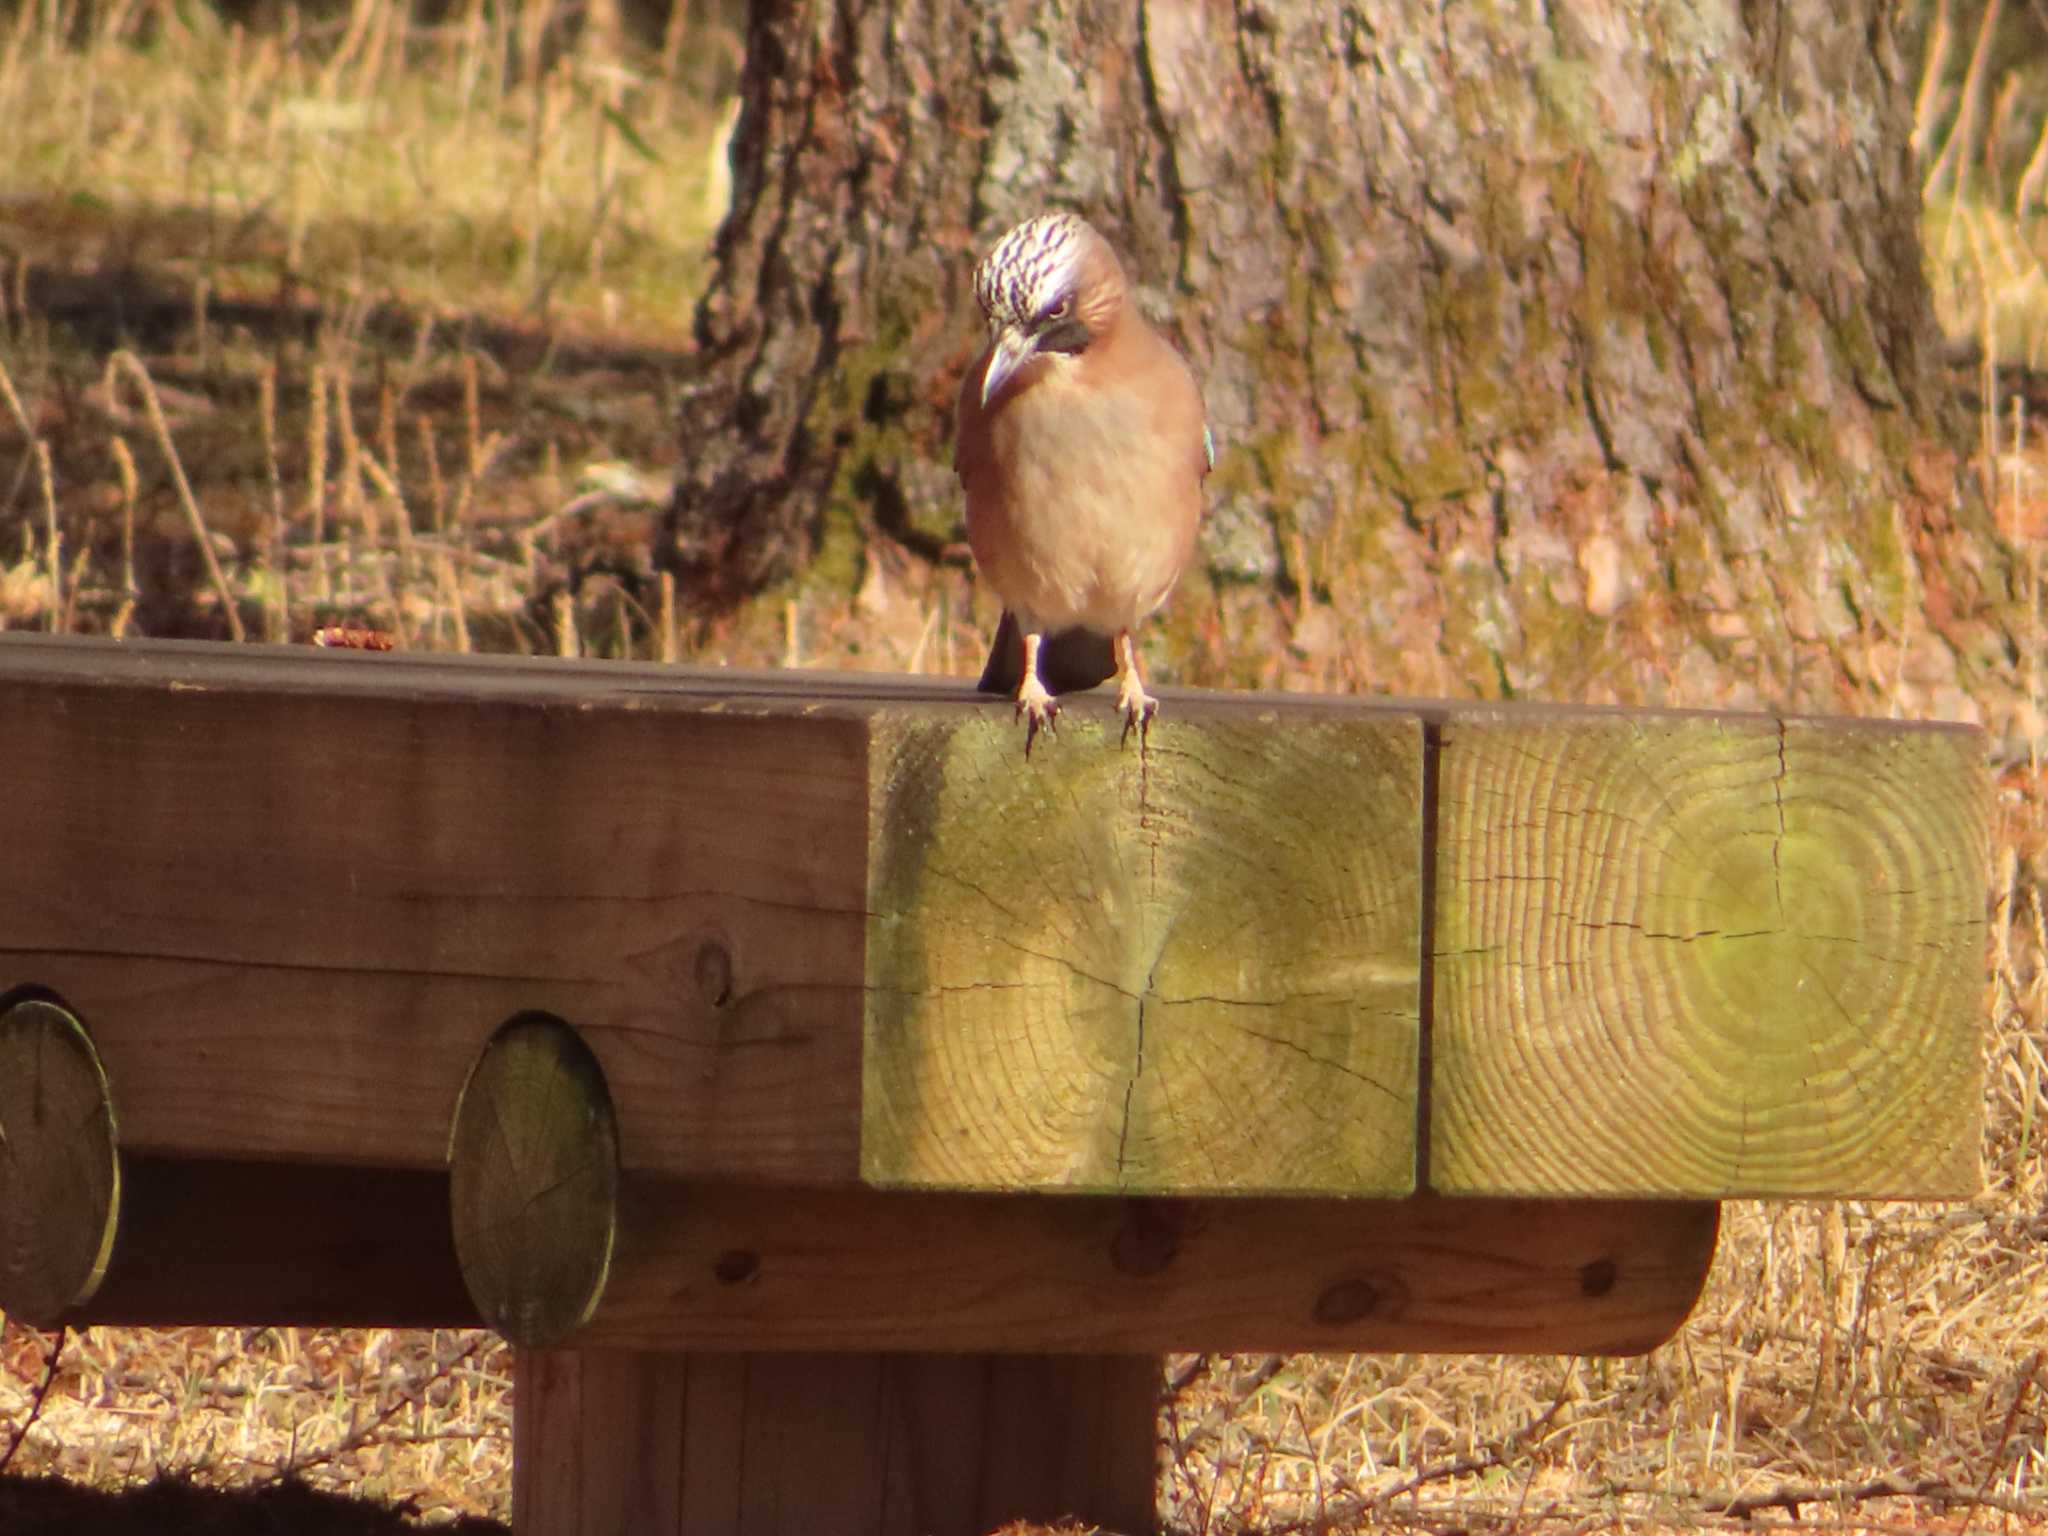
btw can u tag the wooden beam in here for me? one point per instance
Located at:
(729, 1270)
(725, 1269)
(292, 893)
(236, 862)
(1690, 954)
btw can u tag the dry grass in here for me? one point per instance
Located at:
(392, 1415)
(509, 159)
(382, 465)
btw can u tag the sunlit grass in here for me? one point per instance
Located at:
(389, 159)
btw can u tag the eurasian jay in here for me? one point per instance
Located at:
(1081, 446)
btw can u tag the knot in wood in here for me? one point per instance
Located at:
(1147, 1240)
(713, 969)
(1377, 1294)
(737, 1266)
(1597, 1277)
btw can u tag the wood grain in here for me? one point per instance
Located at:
(533, 1181)
(1690, 956)
(1191, 967)
(732, 1269)
(292, 899)
(60, 1175)
(724, 1269)
(235, 861)
(818, 927)
(857, 1445)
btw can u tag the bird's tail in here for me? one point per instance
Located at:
(1068, 661)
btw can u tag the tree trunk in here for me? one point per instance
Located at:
(1579, 350)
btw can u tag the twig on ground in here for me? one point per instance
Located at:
(37, 1399)
(362, 1435)
(1793, 1497)
(2019, 1400)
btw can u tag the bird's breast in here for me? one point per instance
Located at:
(1083, 501)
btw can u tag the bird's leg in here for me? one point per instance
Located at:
(1137, 705)
(1034, 703)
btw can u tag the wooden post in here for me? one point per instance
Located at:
(854, 1444)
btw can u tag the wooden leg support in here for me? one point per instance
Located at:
(851, 1444)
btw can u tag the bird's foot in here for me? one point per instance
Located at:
(1137, 707)
(1037, 707)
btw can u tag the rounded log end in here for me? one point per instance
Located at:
(60, 1173)
(533, 1162)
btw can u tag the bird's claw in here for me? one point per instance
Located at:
(1139, 720)
(1137, 707)
(1038, 708)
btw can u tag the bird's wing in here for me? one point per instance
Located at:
(970, 421)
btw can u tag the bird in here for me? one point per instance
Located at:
(1081, 445)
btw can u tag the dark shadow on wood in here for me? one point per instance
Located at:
(281, 1244)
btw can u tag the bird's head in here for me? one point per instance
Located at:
(1051, 286)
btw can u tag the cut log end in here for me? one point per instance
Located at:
(533, 1165)
(1079, 962)
(1740, 958)
(60, 1176)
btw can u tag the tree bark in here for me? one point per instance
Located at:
(1579, 350)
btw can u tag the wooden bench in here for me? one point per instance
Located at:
(848, 1111)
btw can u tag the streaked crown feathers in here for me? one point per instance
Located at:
(1032, 268)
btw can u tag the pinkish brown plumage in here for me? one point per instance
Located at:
(1082, 448)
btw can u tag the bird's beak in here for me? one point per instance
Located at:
(1013, 349)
